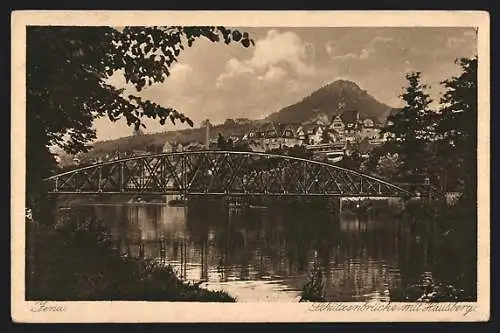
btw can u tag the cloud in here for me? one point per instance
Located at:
(348, 56)
(178, 80)
(276, 51)
(219, 81)
(470, 33)
(331, 47)
(286, 47)
(274, 73)
(334, 49)
(233, 68)
(279, 68)
(179, 70)
(382, 39)
(366, 53)
(465, 41)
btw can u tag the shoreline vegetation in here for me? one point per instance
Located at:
(451, 273)
(70, 264)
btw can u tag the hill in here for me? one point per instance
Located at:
(154, 142)
(325, 103)
(331, 100)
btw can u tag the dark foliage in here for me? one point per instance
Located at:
(67, 87)
(411, 128)
(313, 291)
(78, 263)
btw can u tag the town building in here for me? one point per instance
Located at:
(167, 147)
(311, 134)
(273, 135)
(344, 128)
(369, 129)
(350, 128)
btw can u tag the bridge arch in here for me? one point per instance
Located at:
(218, 172)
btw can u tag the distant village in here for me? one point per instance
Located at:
(330, 138)
(342, 129)
(333, 137)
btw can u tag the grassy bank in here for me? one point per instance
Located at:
(81, 265)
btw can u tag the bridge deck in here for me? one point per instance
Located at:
(221, 173)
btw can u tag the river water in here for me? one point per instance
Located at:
(265, 254)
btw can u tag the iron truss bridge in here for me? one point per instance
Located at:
(221, 173)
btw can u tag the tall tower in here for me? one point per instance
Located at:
(206, 124)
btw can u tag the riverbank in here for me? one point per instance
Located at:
(440, 260)
(425, 251)
(81, 265)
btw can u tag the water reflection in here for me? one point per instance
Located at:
(266, 254)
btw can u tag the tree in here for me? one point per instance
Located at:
(351, 161)
(300, 151)
(242, 146)
(137, 132)
(325, 136)
(456, 158)
(307, 139)
(230, 122)
(229, 144)
(457, 127)
(383, 162)
(411, 128)
(67, 73)
(221, 142)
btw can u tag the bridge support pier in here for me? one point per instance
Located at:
(335, 205)
(163, 249)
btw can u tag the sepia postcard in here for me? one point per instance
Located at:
(250, 166)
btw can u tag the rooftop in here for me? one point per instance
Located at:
(349, 116)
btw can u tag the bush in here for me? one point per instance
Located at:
(78, 263)
(453, 232)
(313, 291)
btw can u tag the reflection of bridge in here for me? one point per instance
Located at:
(221, 173)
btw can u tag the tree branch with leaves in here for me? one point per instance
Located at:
(67, 82)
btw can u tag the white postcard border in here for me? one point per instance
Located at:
(23, 311)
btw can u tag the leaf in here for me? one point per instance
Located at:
(66, 79)
(142, 82)
(245, 42)
(236, 35)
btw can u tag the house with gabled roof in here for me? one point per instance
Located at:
(337, 124)
(350, 118)
(351, 128)
(311, 133)
(346, 124)
(273, 135)
(370, 128)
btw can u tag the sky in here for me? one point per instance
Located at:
(216, 81)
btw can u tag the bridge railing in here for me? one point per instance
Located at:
(222, 173)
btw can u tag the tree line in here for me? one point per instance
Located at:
(435, 142)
